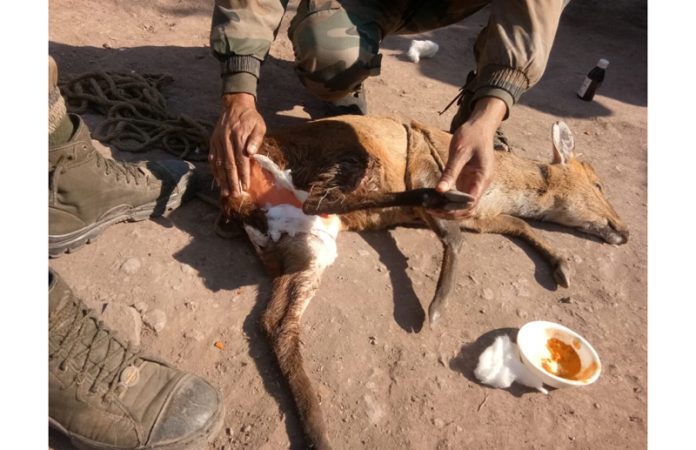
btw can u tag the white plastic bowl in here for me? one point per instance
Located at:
(532, 340)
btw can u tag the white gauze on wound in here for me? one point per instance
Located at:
(499, 366)
(289, 219)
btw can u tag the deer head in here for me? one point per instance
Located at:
(579, 197)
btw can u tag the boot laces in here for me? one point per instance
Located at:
(463, 92)
(457, 98)
(78, 345)
(129, 171)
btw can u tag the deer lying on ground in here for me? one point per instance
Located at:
(359, 173)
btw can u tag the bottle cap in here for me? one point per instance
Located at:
(603, 63)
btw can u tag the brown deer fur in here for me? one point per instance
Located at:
(374, 172)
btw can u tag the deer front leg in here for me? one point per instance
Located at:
(451, 237)
(514, 226)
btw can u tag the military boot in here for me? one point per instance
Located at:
(104, 395)
(89, 192)
(354, 103)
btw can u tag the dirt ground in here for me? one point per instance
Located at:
(386, 380)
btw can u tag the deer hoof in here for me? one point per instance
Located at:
(434, 313)
(227, 228)
(434, 318)
(562, 274)
(447, 201)
(456, 200)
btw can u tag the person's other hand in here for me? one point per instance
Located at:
(237, 135)
(471, 162)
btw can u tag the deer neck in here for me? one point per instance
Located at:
(521, 188)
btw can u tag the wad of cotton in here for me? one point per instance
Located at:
(422, 49)
(291, 220)
(499, 366)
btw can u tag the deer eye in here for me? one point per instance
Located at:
(598, 186)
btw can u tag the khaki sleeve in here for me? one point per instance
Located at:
(513, 49)
(240, 36)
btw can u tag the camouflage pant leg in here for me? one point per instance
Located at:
(335, 50)
(336, 43)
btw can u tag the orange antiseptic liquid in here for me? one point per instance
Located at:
(564, 361)
(265, 191)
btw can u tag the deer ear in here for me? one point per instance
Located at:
(563, 143)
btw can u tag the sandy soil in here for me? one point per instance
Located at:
(386, 380)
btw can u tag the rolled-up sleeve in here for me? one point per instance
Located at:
(513, 49)
(240, 38)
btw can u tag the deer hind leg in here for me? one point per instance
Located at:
(336, 202)
(352, 183)
(514, 226)
(451, 237)
(292, 292)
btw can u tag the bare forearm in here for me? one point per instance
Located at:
(490, 112)
(471, 164)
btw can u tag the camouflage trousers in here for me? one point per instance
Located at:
(336, 42)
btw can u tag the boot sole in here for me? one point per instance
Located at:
(68, 243)
(58, 245)
(197, 442)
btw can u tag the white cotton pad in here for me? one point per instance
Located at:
(291, 220)
(499, 366)
(422, 49)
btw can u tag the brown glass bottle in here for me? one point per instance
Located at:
(592, 81)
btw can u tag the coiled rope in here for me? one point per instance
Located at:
(136, 113)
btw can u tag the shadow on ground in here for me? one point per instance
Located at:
(408, 312)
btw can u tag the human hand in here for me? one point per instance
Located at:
(471, 162)
(238, 134)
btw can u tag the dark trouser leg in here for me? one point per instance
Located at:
(335, 49)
